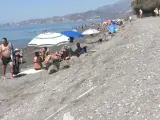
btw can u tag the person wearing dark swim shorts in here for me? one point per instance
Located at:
(6, 55)
(6, 61)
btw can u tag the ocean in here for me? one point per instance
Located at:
(20, 36)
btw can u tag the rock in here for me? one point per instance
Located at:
(68, 116)
(52, 69)
(64, 65)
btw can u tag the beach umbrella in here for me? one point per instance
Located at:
(90, 32)
(74, 30)
(72, 34)
(49, 39)
(112, 28)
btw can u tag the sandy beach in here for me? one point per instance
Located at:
(118, 81)
(28, 52)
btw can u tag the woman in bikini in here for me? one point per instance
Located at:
(37, 61)
(6, 54)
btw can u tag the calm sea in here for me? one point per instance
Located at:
(20, 36)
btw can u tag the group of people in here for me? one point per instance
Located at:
(45, 58)
(156, 12)
(11, 57)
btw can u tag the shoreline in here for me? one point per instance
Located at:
(28, 52)
(37, 96)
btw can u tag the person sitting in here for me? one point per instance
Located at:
(44, 53)
(71, 39)
(80, 50)
(66, 55)
(53, 58)
(37, 61)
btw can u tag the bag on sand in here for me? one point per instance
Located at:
(15, 70)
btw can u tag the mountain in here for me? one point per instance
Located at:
(105, 12)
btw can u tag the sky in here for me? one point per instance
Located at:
(18, 10)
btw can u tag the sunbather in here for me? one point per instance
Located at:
(44, 53)
(66, 53)
(53, 57)
(37, 61)
(80, 50)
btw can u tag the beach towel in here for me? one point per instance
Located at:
(12, 50)
(30, 71)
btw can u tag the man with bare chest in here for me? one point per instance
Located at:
(6, 56)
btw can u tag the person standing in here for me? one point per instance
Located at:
(156, 11)
(17, 58)
(130, 18)
(159, 12)
(6, 54)
(140, 13)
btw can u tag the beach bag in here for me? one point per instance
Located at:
(15, 68)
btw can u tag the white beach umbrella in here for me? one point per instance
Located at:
(49, 39)
(90, 31)
(74, 30)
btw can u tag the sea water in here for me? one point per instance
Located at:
(20, 36)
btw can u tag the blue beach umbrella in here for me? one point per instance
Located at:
(72, 34)
(111, 28)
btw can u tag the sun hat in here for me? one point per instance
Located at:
(16, 49)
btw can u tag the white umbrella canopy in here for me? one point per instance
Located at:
(90, 31)
(48, 40)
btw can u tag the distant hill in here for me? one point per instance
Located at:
(105, 12)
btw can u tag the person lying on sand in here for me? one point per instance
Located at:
(53, 58)
(58, 56)
(6, 55)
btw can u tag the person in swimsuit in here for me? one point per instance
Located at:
(37, 61)
(80, 50)
(6, 56)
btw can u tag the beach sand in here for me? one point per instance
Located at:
(119, 81)
(28, 52)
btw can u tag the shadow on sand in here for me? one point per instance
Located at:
(19, 75)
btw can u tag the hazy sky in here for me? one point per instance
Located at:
(17, 10)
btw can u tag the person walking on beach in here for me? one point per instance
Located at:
(140, 13)
(6, 55)
(130, 18)
(156, 11)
